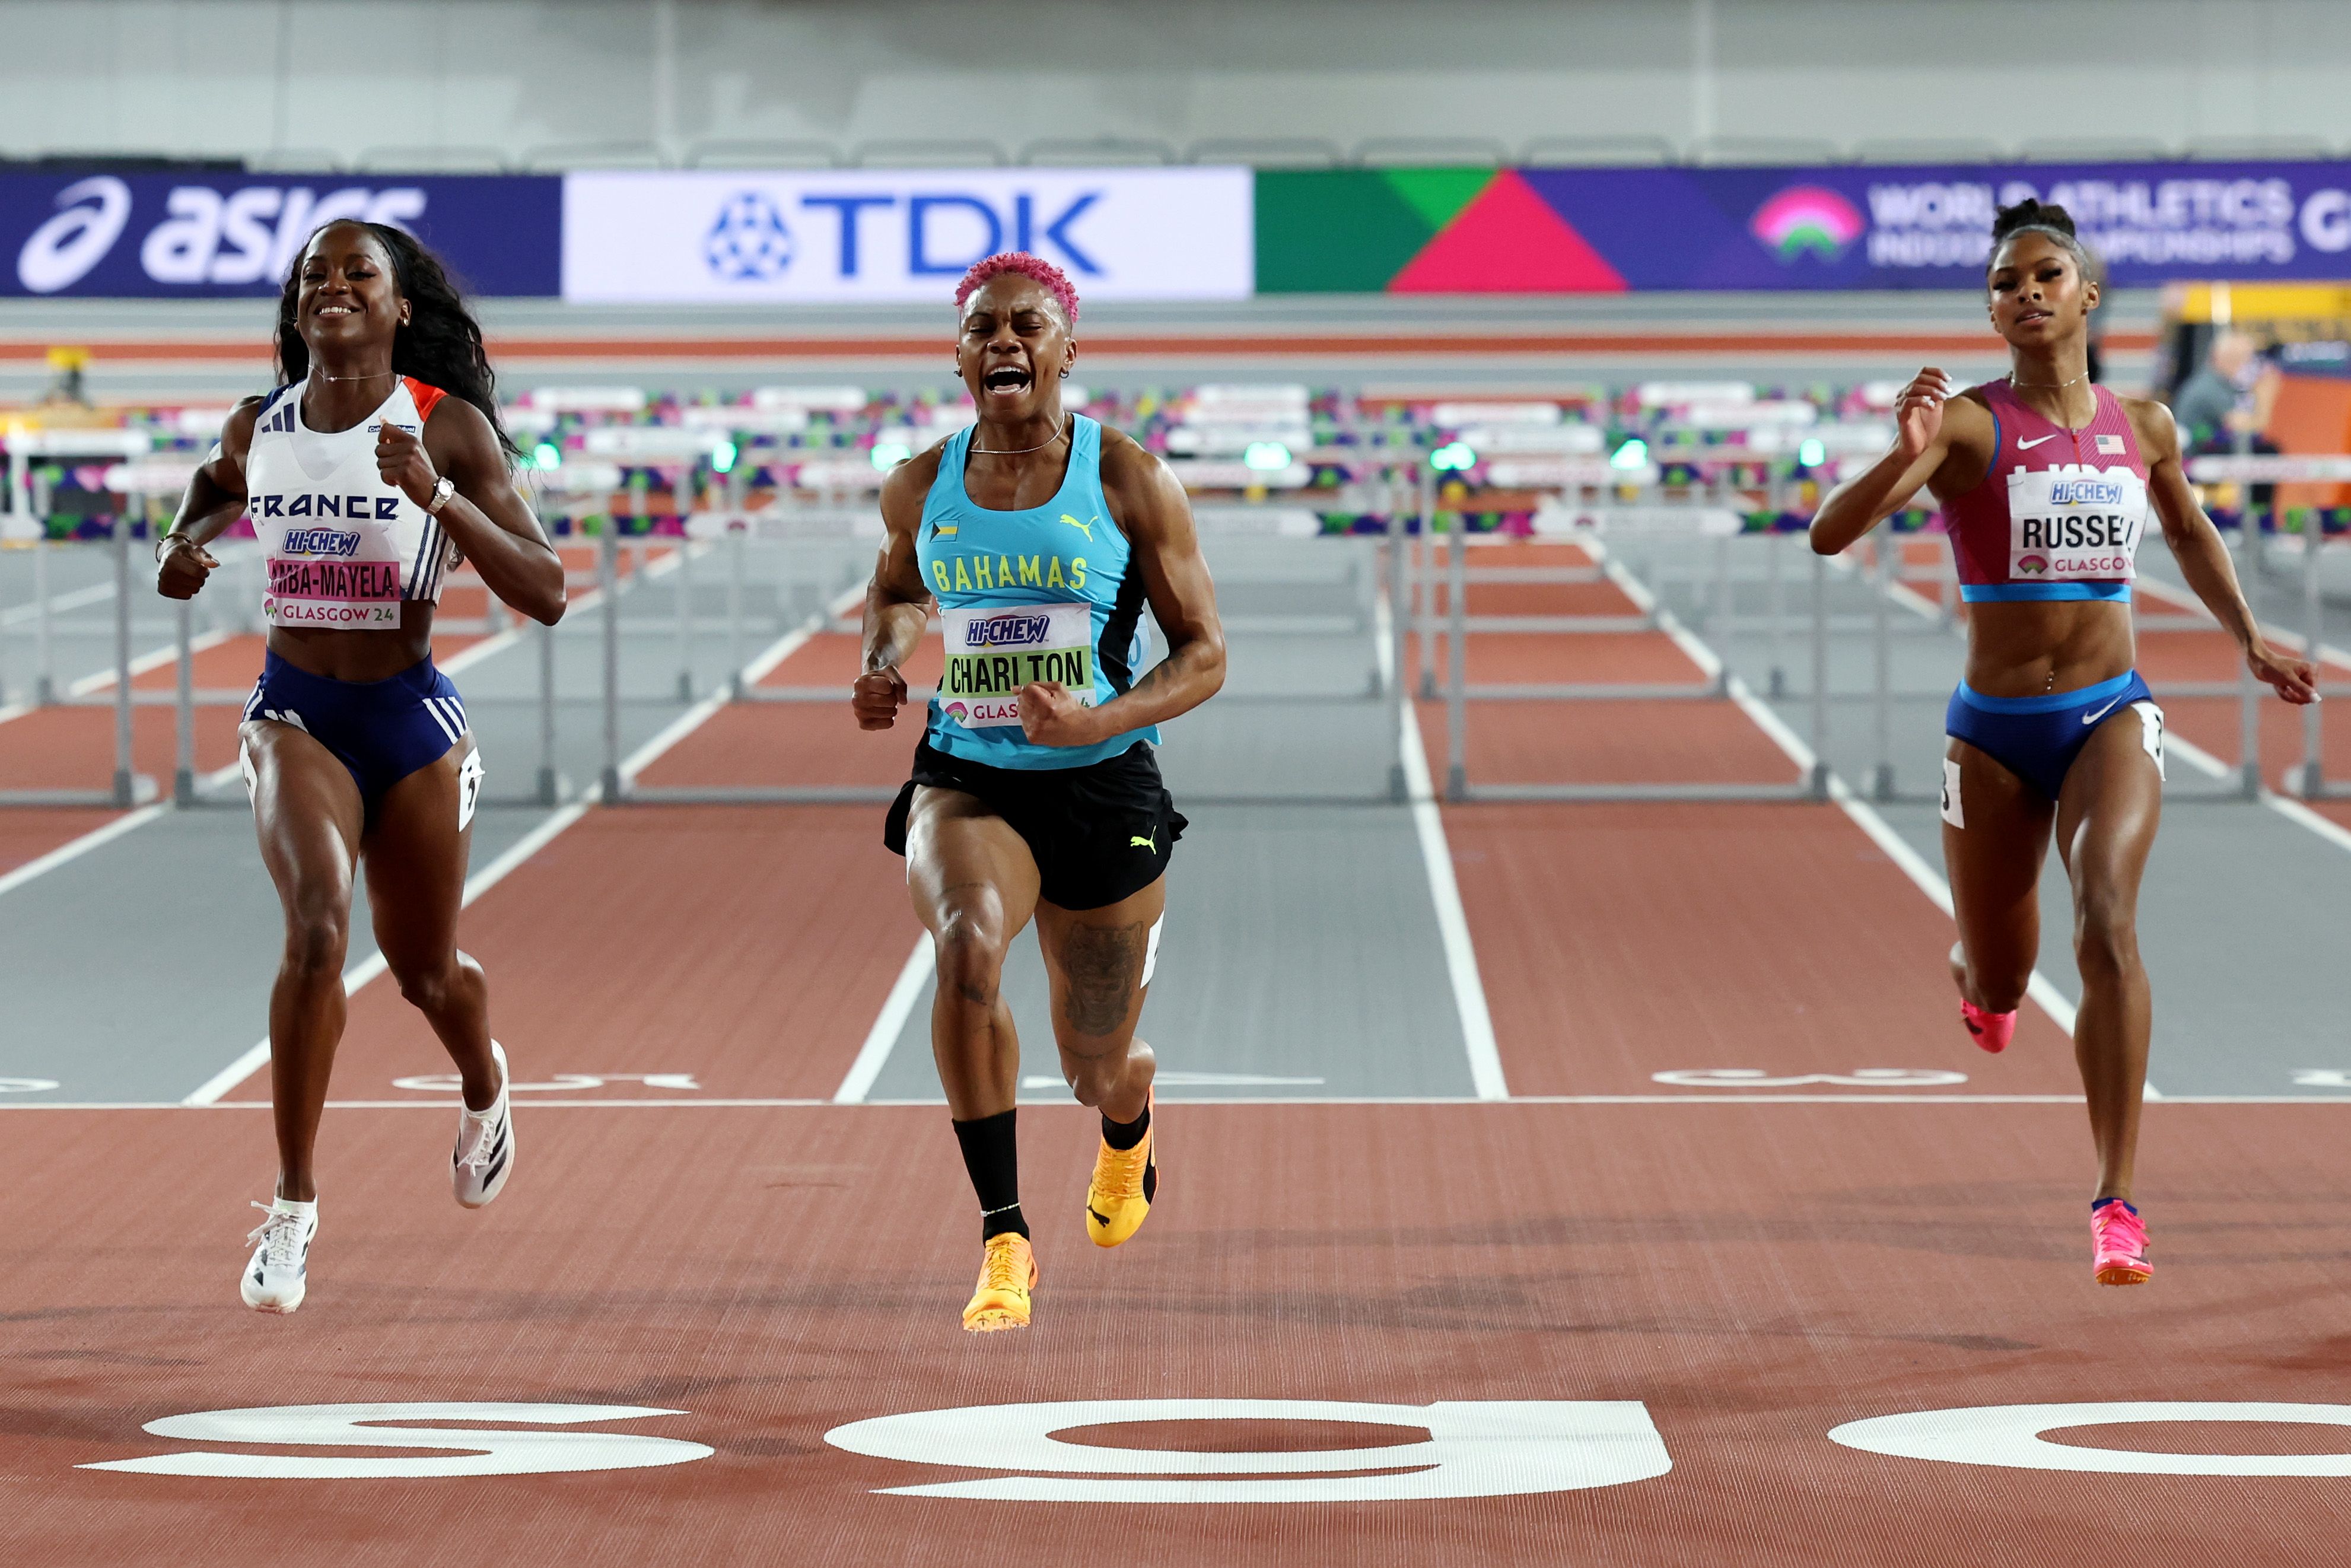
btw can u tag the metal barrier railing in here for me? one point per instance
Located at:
(1408, 586)
(1236, 538)
(1717, 683)
(1696, 518)
(2307, 779)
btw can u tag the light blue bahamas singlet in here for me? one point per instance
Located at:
(1041, 594)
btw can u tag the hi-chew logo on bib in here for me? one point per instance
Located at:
(2075, 524)
(992, 654)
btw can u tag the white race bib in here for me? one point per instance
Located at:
(992, 654)
(2075, 524)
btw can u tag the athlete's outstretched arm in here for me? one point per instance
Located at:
(897, 604)
(1924, 440)
(216, 498)
(486, 517)
(1148, 502)
(2204, 560)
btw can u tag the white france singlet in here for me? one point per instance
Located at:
(344, 549)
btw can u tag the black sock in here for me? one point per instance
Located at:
(1126, 1135)
(991, 1154)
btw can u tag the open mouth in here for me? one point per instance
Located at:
(1006, 379)
(335, 310)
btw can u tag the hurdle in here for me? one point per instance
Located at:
(2306, 778)
(1260, 540)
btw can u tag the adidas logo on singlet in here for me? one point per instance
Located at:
(279, 422)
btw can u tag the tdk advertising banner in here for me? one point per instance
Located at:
(173, 236)
(895, 234)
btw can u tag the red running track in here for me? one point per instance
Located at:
(1753, 1270)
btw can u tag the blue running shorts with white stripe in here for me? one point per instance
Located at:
(382, 731)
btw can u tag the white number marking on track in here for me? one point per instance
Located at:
(2010, 1435)
(1859, 1078)
(476, 1451)
(449, 1084)
(1475, 1448)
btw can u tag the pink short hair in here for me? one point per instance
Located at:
(1036, 268)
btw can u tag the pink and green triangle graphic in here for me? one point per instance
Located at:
(1508, 240)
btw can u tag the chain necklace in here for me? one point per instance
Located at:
(371, 376)
(2046, 386)
(1016, 450)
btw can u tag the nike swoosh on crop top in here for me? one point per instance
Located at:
(1044, 593)
(344, 549)
(2060, 513)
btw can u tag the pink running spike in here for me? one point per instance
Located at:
(2118, 1242)
(1991, 1030)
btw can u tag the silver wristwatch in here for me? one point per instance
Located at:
(441, 490)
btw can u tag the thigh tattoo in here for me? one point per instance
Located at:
(1103, 963)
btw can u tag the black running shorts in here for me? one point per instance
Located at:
(1101, 833)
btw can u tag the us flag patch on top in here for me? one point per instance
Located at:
(2110, 446)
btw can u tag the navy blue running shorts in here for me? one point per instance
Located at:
(382, 731)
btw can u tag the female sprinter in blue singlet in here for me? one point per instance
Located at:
(376, 463)
(2047, 482)
(1040, 536)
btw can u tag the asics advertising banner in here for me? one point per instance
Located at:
(1604, 231)
(175, 235)
(899, 236)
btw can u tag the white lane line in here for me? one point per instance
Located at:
(1283, 1102)
(2285, 806)
(2155, 588)
(103, 680)
(368, 968)
(1452, 921)
(1444, 888)
(73, 599)
(210, 1090)
(1928, 881)
(498, 642)
(2195, 755)
(882, 1036)
(74, 848)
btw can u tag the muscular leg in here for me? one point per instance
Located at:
(307, 812)
(2106, 819)
(1995, 869)
(975, 886)
(1096, 957)
(415, 859)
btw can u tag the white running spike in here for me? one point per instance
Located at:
(484, 1157)
(277, 1277)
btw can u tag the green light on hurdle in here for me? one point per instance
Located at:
(1634, 453)
(548, 456)
(1454, 457)
(888, 455)
(722, 458)
(1813, 453)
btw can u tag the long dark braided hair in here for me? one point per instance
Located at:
(442, 343)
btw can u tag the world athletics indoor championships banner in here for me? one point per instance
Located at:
(1606, 231)
(850, 237)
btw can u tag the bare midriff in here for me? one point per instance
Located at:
(2027, 648)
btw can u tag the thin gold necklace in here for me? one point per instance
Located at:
(1016, 450)
(2046, 386)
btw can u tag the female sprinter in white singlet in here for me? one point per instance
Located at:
(2047, 482)
(376, 463)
